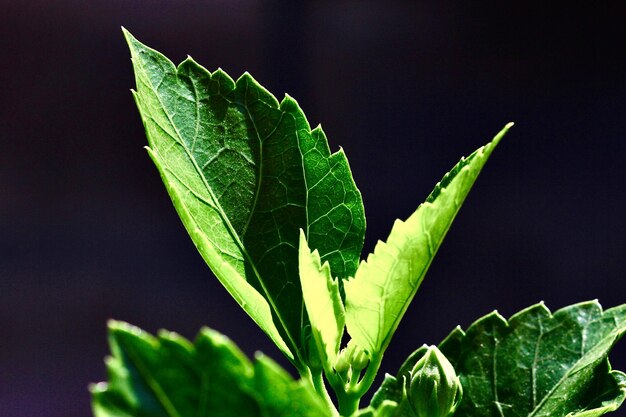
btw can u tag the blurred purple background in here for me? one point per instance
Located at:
(88, 232)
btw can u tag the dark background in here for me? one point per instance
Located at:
(87, 231)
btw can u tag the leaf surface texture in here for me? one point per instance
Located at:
(539, 364)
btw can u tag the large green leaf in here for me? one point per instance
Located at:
(536, 364)
(539, 364)
(245, 174)
(384, 285)
(168, 376)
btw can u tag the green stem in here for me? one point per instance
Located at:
(348, 397)
(317, 381)
(348, 403)
(349, 394)
(368, 379)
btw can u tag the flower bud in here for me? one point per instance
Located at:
(342, 363)
(351, 359)
(360, 359)
(434, 389)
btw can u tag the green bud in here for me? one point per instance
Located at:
(360, 359)
(433, 388)
(342, 363)
(351, 359)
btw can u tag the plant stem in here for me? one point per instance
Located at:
(320, 387)
(348, 397)
(348, 403)
(317, 381)
(370, 374)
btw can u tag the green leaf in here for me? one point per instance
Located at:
(322, 300)
(168, 376)
(245, 173)
(384, 285)
(539, 364)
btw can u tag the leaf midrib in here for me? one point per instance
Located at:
(218, 206)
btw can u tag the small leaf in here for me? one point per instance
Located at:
(168, 376)
(384, 285)
(322, 300)
(245, 173)
(539, 364)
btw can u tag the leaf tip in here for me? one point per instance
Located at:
(130, 39)
(487, 149)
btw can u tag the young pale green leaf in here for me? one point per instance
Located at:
(245, 173)
(384, 285)
(168, 376)
(322, 301)
(539, 364)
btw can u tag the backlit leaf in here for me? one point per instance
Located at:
(384, 285)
